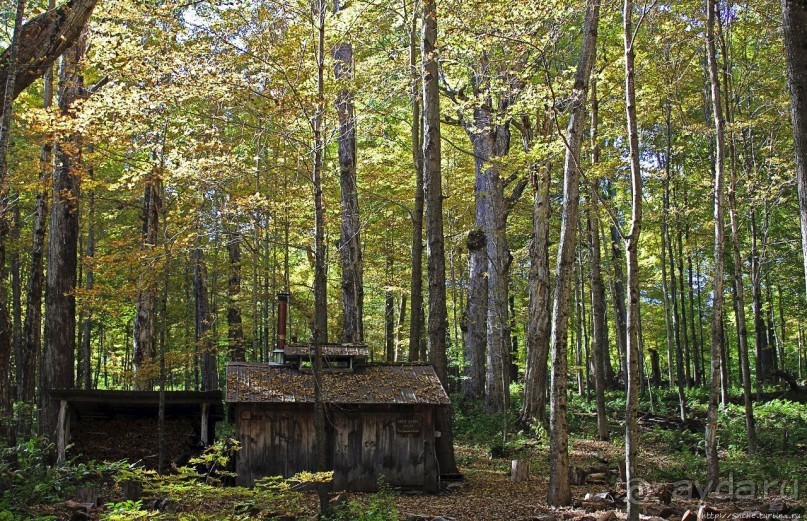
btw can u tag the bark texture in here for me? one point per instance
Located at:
(712, 462)
(632, 346)
(559, 493)
(435, 247)
(490, 263)
(42, 40)
(794, 13)
(60, 300)
(203, 324)
(144, 348)
(350, 234)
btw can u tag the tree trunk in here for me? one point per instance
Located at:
(632, 248)
(320, 323)
(400, 327)
(60, 300)
(435, 248)
(235, 330)
(794, 13)
(559, 493)
(42, 40)
(32, 327)
(389, 317)
(491, 140)
(712, 462)
(416, 286)
(89, 283)
(350, 235)
(203, 321)
(8, 339)
(679, 352)
(665, 217)
(682, 295)
(540, 304)
(475, 317)
(599, 333)
(144, 347)
(739, 294)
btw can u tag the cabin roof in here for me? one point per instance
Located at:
(372, 384)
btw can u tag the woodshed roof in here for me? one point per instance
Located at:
(372, 384)
(110, 403)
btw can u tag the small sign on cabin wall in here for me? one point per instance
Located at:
(407, 426)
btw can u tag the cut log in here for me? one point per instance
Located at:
(520, 470)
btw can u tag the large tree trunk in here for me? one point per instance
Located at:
(60, 299)
(540, 305)
(416, 285)
(633, 349)
(235, 330)
(476, 312)
(7, 337)
(491, 258)
(144, 347)
(350, 236)
(559, 493)
(794, 13)
(42, 40)
(712, 462)
(435, 248)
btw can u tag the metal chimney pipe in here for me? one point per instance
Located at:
(282, 319)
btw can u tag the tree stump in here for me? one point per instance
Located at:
(520, 471)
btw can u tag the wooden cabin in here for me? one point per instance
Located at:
(114, 425)
(379, 418)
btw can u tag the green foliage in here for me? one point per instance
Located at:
(380, 507)
(28, 475)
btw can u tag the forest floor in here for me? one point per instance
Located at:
(671, 466)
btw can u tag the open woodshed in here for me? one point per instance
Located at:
(107, 425)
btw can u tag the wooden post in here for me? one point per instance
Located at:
(205, 414)
(61, 433)
(520, 470)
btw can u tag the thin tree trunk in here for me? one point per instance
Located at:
(389, 316)
(400, 327)
(435, 248)
(739, 293)
(632, 248)
(203, 322)
(712, 461)
(89, 284)
(600, 342)
(679, 353)
(558, 492)
(665, 216)
(416, 287)
(320, 267)
(235, 330)
(682, 295)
